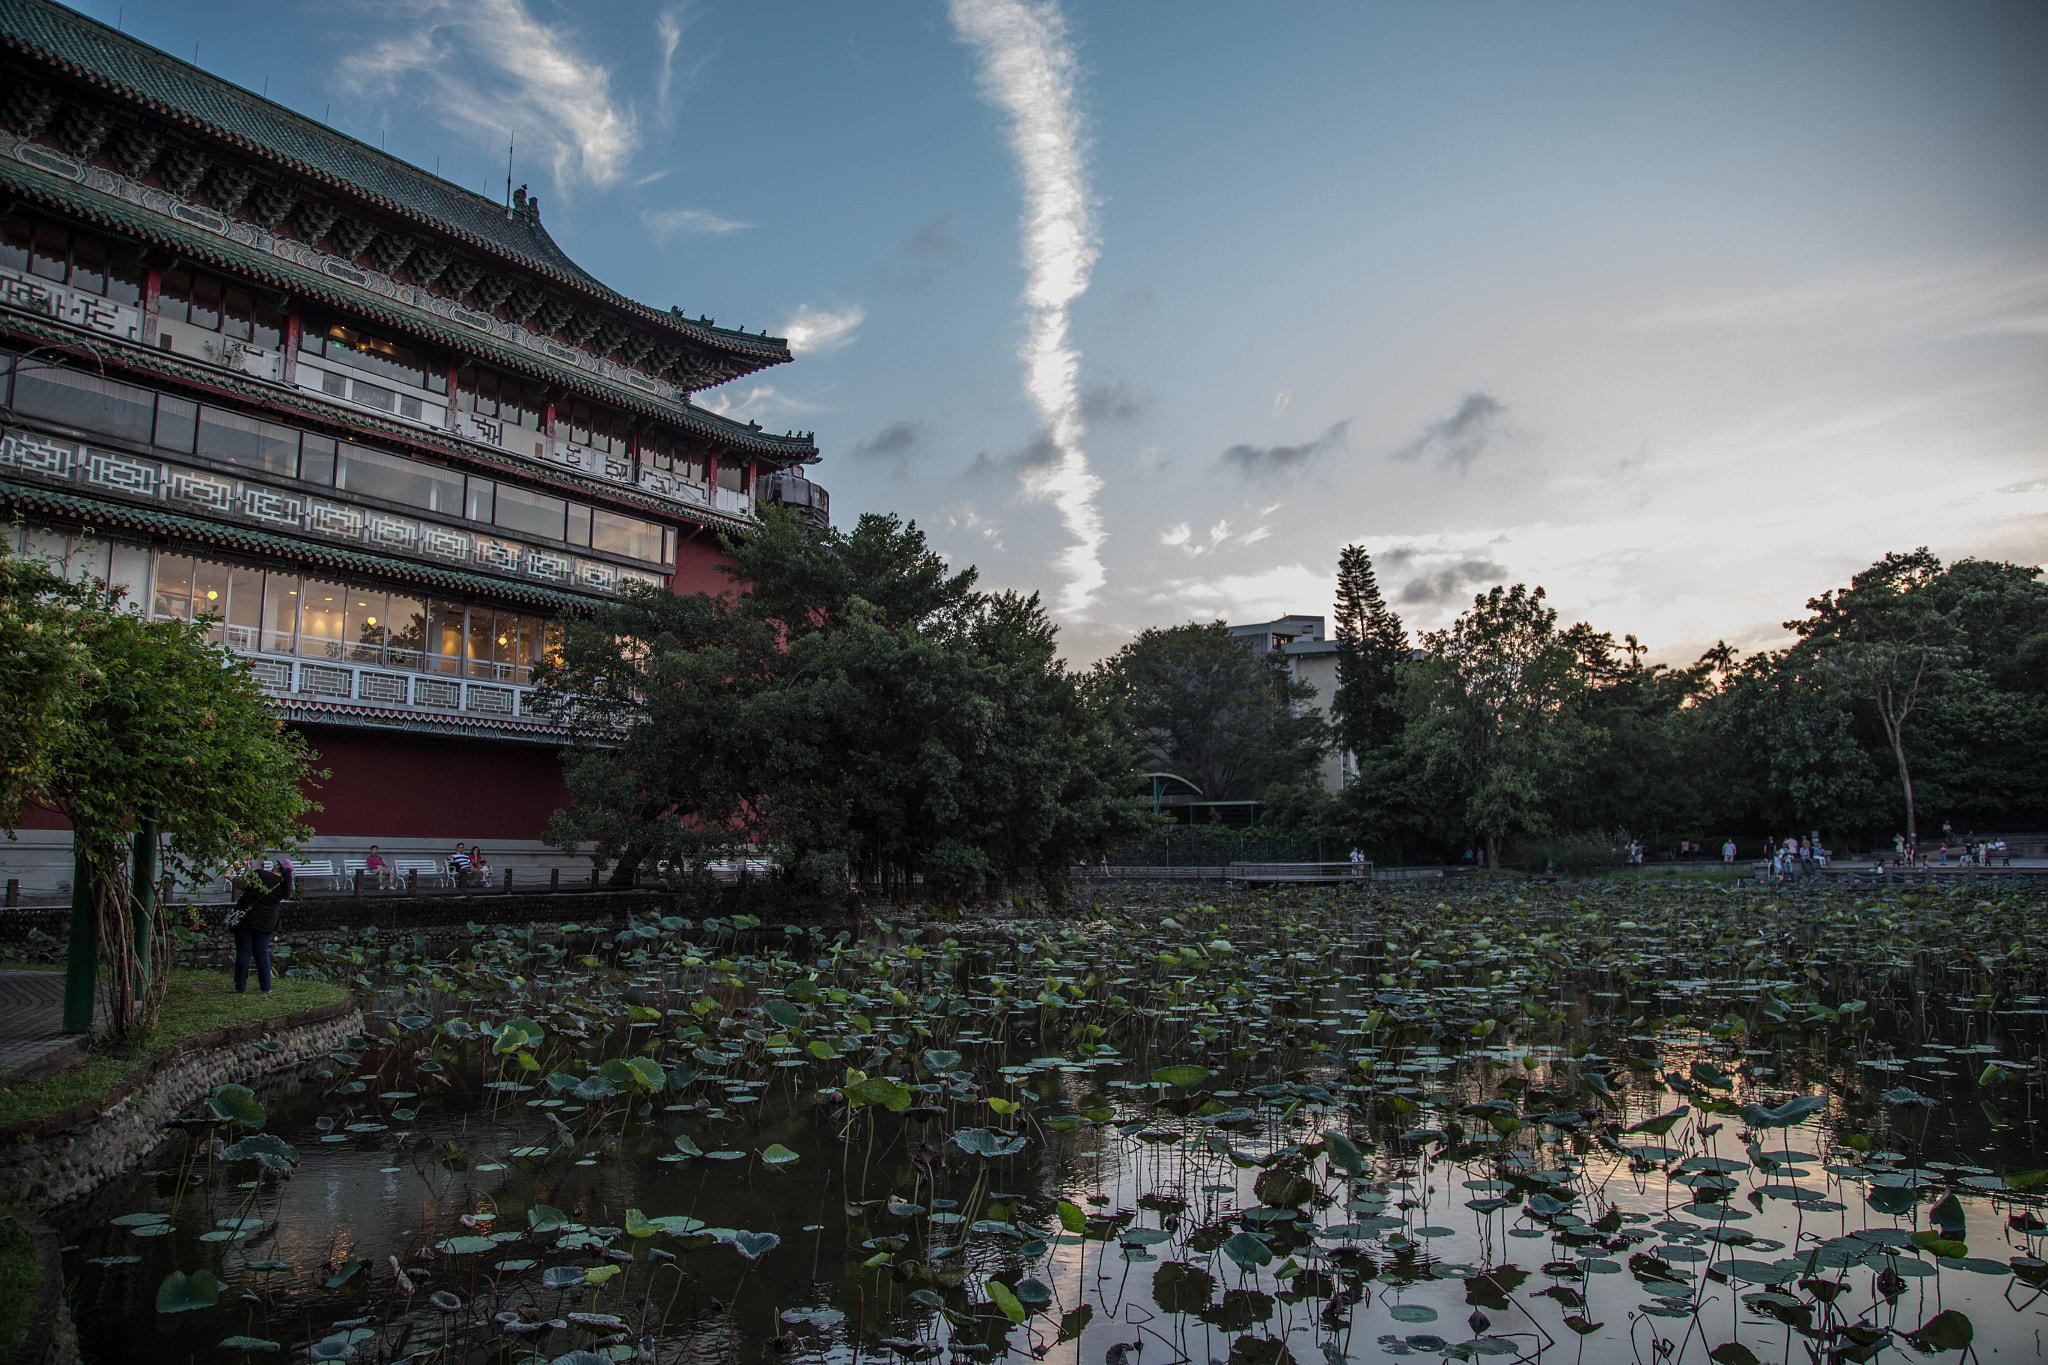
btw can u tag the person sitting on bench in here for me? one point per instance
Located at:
(381, 872)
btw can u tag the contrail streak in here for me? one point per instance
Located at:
(1027, 71)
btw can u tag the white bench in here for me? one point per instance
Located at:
(427, 869)
(351, 866)
(321, 868)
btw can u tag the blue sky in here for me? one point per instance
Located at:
(1685, 312)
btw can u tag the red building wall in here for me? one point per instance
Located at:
(699, 565)
(396, 785)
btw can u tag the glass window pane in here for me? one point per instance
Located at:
(626, 536)
(47, 255)
(267, 324)
(87, 562)
(579, 524)
(173, 588)
(238, 311)
(406, 639)
(732, 476)
(84, 401)
(483, 500)
(480, 643)
(174, 295)
(246, 441)
(210, 595)
(124, 278)
(245, 607)
(177, 423)
(376, 475)
(280, 612)
(532, 631)
(89, 266)
(367, 621)
(375, 396)
(535, 514)
(321, 620)
(15, 233)
(130, 569)
(445, 642)
(316, 459)
(205, 311)
(390, 359)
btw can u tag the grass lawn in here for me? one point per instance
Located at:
(197, 1002)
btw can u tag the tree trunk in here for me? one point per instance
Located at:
(82, 954)
(1493, 851)
(1905, 783)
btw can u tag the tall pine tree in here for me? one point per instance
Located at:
(1371, 644)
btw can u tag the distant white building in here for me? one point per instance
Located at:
(1310, 659)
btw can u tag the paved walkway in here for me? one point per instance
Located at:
(31, 1017)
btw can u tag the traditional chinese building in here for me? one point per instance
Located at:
(380, 426)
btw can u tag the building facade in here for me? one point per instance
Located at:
(1311, 659)
(380, 428)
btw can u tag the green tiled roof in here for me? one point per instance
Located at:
(232, 255)
(181, 91)
(93, 511)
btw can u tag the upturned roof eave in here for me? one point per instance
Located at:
(763, 352)
(228, 254)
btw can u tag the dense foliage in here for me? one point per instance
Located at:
(1202, 706)
(853, 711)
(1916, 695)
(125, 728)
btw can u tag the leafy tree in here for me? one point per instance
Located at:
(854, 705)
(1490, 715)
(1201, 705)
(40, 662)
(1789, 730)
(1372, 644)
(158, 738)
(1888, 641)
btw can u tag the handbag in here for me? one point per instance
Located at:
(235, 917)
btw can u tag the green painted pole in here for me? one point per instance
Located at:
(144, 904)
(81, 956)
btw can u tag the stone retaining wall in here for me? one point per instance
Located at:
(70, 1154)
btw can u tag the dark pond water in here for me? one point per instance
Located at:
(1288, 1127)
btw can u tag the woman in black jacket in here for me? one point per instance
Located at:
(257, 908)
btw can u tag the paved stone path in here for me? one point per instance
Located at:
(31, 1019)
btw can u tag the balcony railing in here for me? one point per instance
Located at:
(376, 686)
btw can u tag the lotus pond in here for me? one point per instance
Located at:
(1646, 1123)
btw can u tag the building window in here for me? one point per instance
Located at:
(206, 303)
(55, 253)
(248, 442)
(84, 402)
(594, 427)
(629, 536)
(535, 514)
(398, 480)
(392, 360)
(500, 397)
(671, 457)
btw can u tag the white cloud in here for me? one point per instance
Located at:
(662, 224)
(1027, 71)
(755, 402)
(491, 71)
(964, 517)
(1175, 535)
(811, 330)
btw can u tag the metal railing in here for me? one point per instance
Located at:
(368, 685)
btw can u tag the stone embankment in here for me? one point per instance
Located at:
(62, 1156)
